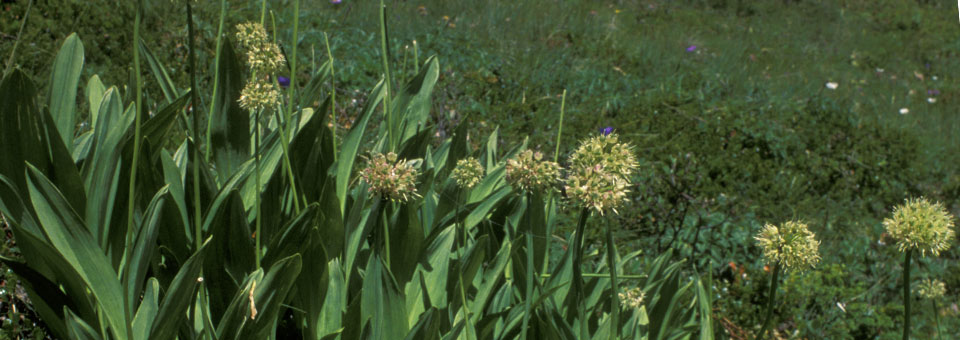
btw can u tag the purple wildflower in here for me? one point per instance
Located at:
(933, 92)
(283, 81)
(335, 1)
(692, 48)
(606, 131)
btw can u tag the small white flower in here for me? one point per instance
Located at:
(904, 111)
(934, 77)
(931, 100)
(879, 70)
(832, 85)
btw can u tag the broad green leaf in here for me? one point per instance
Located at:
(382, 302)
(159, 72)
(144, 248)
(312, 283)
(351, 144)
(66, 232)
(101, 171)
(437, 267)
(480, 212)
(231, 253)
(147, 311)
(63, 87)
(412, 105)
(406, 239)
(78, 329)
(181, 293)
(491, 278)
(427, 327)
(704, 292)
(269, 292)
(157, 128)
(26, 136)
(229, 124)
(335, 302)
(95, 90)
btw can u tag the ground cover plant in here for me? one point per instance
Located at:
(278, 169)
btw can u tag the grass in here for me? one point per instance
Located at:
(756, 79)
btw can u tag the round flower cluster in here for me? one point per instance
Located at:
(931, 289)
(529, 171)
(921, 225)
(468, 172)
(251, 34)
(390, 178)
(258, 95)
(263, 58)
(633, 297)
(792, 244)
(600, 171)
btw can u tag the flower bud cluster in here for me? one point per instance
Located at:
(600, 171)
(468, 172)
(791, 244)
(258, 95)
(633, 297)
(931, 289)
(390, 178)
(921, 225)
(263, 58)
(529, 172)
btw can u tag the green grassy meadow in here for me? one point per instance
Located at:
(740, 113)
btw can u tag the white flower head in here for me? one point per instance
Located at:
(832, 85)
(904, 111)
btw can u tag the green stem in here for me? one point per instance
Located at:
(256, 196)
(216, 74)
(619, 276)
(614, 296)
(416, 59)
(578, 272)
(386, 234)
(263, 12)
(463, 297)
(528, 298)
(563, 102)
(286, 165)
(460, 226)
(290, 101)
(333, 94)
(550, 203)
(906, 294)
(131, 196)
(936, 316)
(197, 214)
(194, 95)
(386, 75)
(16, 43)
(772, 297)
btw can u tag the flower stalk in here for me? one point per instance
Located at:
(774, 282)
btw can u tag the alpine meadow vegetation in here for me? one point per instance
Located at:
(446, 170)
